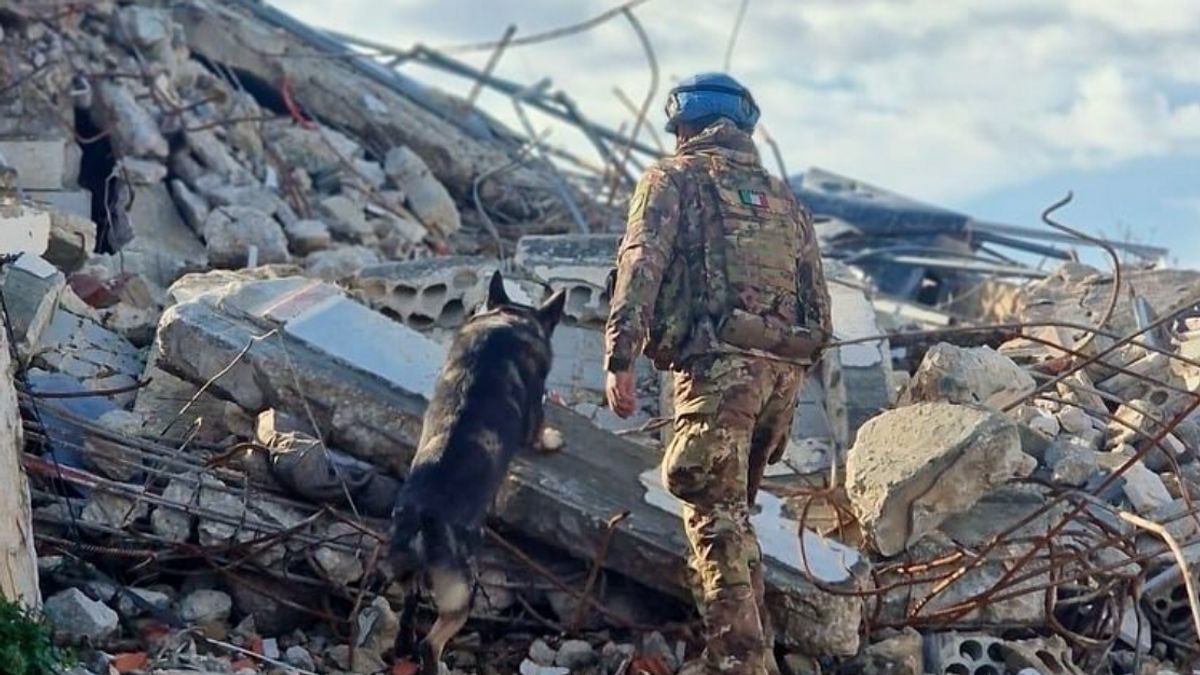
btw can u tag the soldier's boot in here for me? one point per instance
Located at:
(733, 633)
(764, 616)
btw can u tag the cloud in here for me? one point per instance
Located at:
(943, 100)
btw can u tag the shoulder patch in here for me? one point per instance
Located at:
(753, 198)
(637, 203)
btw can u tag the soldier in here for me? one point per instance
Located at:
(718, 279)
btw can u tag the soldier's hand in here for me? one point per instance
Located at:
(618, 388)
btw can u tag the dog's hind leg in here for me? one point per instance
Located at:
(452, 594)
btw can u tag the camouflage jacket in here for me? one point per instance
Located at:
(667, 205)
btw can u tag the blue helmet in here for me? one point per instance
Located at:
(711, 95)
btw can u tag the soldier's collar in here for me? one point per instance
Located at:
(724, 137)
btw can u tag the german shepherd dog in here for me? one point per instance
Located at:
(486, 406)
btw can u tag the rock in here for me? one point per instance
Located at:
(300, 658)
(230, 232)
(1144, 489)
(171, 524)
(132, 323)
(32, 288)
(542, 653)
(1041, 421)
(574, 654)
(912, 467)
(307, 236)
(427, 197)
(346, 218)
(898, 655)
(340, 263)
(654, 644)
(109, 458)
(260, 597)
(378, 627)
(136, 602)
(316, 151)
(340, 564)
(530, 668)
(133, 131)
(80, 617)
(192, 206)
(975, 375)
(614, 655)
(1074, 420)
(142, 171)
(205, 606)
(163, 246)
(143, 26)
(1072, 464)
(112, 510)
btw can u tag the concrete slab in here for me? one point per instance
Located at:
(43, 164)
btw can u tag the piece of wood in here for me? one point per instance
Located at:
(18, 559)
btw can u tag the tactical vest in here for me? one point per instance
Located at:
(735, 275)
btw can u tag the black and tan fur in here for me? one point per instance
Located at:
(486, 406)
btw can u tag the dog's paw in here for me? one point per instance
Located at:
(551, 440)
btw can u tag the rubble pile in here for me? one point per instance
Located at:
(240, 264)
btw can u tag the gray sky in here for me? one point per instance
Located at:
(996, 107)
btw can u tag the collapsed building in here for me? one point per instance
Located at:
(238, 246)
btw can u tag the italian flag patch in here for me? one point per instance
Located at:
(753, 198)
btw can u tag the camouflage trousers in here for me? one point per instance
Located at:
(733, 414)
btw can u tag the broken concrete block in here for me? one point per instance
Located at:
(172, 524)
(578, 264)
(368, 386)
(164, 247)
(1144, 489)
(23, 229)
(1074, 420)
(97, 357)
(80, 617)
(75, 202)
(115, 511)
(110, 459)
(346, 219)
(378, 627)
(316, 151)
(307, 236)
(132, 130)
(338, 563)
(136, 602)
(898, 655)
(340, 263)
(192, 206)
(235, 234)
(427, 197)
(1072, 464)
(976, 375)
(424, 293)
(141, 171)
(912, 467)
(205, 606)
(43, 164)
(32, 288)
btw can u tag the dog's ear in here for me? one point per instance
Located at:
(550, 313)
(496, 295)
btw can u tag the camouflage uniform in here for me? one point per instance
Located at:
(733, 407)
